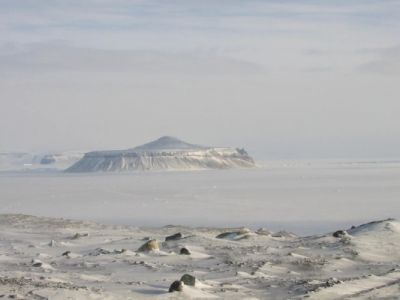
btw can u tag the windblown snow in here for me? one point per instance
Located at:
(46, 258)
(166, 153)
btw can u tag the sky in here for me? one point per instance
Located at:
(284, 79)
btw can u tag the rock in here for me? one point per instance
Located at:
(119, 251)
(283, 234)
(225, 235)
(188, 280)
(176, 286)
(339, 233)
(331, 282)
(47, 159)
(99, 251)
(263, 231)
(233, 234)
(79, 235)
(36, 263)
(149, 246)
(66, 253)
(174, 237)
(184, 251)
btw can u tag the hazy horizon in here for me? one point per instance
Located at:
(283, 79)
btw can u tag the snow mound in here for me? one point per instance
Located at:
(367, 240)
(375, 227)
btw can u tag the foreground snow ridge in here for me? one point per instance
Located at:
(46, 258)
(166, 153)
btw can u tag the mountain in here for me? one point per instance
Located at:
(16, 161)
(165, 153)
(167, 143)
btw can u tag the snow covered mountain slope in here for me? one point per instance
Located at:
(166, 153)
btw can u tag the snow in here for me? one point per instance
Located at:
(258, 267)
(46, 257)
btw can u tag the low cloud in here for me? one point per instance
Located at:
(387, 62)
(315, 52)
(58, 57)
(318, 69)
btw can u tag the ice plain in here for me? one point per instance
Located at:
(300, 196)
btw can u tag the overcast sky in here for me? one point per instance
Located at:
(284, 79)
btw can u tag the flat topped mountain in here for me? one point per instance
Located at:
(165, 153)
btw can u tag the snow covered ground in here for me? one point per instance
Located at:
(44, 258)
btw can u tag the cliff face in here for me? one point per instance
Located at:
(166, 153)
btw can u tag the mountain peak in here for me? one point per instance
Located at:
(168, 139)
(167, 142)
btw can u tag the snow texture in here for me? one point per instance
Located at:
(47, 258)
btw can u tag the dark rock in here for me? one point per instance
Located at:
(79, 235)
(225, 235)
(283, 234)
(242, 151)
(331, 282)
(47, 160)
(233, 234)
(149, 246)
(263, 231)
(66, 253)
(174, 237)
(176, 286)
(188, 280)
(99, 251)
(339, 233)
(184, 251)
